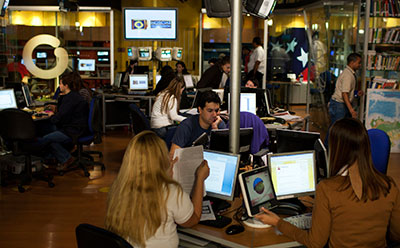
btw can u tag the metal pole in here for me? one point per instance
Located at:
(308, 29)
(236, 50)
(201, 43)
(111, 47)
(364, 60)
(264, 82)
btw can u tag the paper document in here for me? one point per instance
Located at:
(184, 170)
(207, 212)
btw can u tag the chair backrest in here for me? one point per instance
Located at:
(95, 123)
(170, 134)
(16, 124)
(138, 119)
(380, 149)
(88, 236)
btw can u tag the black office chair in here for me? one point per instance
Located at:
(18, 130)
(138, 120)
(88, 236)
(83, 159)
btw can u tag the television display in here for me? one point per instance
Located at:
(138, 82)
(145, 53)
(102, 53)
(41, 55)
(164, 53)
(150, 23)
(86, 65)
(177, 53)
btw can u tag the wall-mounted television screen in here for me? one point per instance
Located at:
(41, 55)
(86, 65)
(150, 23)
(102, 53)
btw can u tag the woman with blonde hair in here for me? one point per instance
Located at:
(166, 107)
(356, 207)
(144, 202)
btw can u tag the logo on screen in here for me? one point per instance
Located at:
(139, 24)
(160, 24)
(258, 185)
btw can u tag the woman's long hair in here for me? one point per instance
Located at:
(137, 199)
(349, 144)
(173, 90)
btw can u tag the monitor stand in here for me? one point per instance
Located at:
(255, 223)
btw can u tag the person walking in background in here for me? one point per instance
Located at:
(256, 65)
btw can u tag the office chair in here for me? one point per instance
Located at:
(380, 149)
(139, 121)
(88, 236)
(83, 161)
(18, 130)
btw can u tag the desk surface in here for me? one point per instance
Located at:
(251, 237)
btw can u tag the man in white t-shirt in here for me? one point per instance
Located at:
(256, 65)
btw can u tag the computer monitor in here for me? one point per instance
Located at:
(41, 55)
(7, 99)
(188, 81)
(295, 141)
(145, 53)
(247, 102)
(86, 65)
(27, 95)
(199, 93)
(133, 53)
(164, 53)
(117, 79)
(138, 82)
(177, 53)
(103, 53)
(262, 100)
(322, 160)
(158, 77)
(293, 174)
(219, 140)
(223, 171)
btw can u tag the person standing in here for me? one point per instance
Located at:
(256, 65)
(217, 75)
(340, 105)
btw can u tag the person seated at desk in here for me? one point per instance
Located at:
(251, 83)
(181, 69)
(357, 206)
(70, 120)
(167, 75)
(144, 203)
(166, 107)
(194, 126)
(82, 87)
(217, 75)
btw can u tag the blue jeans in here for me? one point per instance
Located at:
(57, 140)
(337, 111)
(161, 132)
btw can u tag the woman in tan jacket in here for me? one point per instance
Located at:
(355, 208)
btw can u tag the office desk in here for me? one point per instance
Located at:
(116, 111)
(251, 237)
(287, 89)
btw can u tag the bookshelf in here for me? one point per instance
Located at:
(380, 45)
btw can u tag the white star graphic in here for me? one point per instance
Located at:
(291, 45)
(275, 46)
(303, 58)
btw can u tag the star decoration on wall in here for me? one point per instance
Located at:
(303, 57)
(291, 45)
(275, 46)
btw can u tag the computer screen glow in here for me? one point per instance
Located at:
(166, 54)
(138, 82)
(7, 99)
(86, 65)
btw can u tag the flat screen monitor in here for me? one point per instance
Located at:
(321, 158)
(247, 102)
(7, 99)
(41, 55)
(117, 79)
(263, 102)
(103, 59)
(295, 141)
(219, 140)
(138, 82)
(103, 53)
(150, 23)
(293, 174)
(188, 81)
(27, 95)
(223, 171)
(86, 65)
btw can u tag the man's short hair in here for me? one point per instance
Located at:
(209, 96)
(257, 40)
(353, 57)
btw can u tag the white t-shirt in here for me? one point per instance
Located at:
(159, 119)
(258, 54)
(179, 209)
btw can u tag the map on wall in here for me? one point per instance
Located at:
(383, 112)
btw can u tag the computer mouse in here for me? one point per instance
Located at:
(234, 229)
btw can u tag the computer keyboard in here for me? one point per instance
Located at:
(302, 221)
